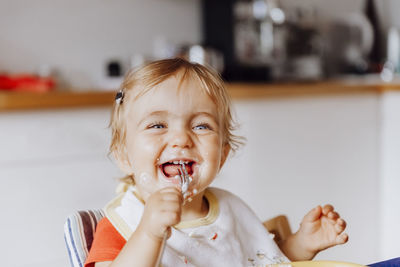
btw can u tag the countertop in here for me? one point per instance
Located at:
(13, 101)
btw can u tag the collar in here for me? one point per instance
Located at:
(126, 230)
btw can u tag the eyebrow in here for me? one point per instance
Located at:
(163, 112)
(153, 113)
(207, 114)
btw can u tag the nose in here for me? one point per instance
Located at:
(181, 138)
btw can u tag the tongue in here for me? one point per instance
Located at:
(173, 169)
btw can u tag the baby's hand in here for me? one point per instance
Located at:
(322, 228)
(162, 210)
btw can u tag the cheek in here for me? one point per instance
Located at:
(145, 183)
(212, 147)
(144, 179)
(204, 169)
(143, 148)
(212, 155)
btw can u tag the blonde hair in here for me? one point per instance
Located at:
(138, 82)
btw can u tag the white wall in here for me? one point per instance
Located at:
(51, 164)
(305, 151)
(390, 176)
(79, 37)
(301, 151)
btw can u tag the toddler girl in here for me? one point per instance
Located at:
(173, 117)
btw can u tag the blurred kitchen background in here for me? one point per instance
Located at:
(315, 88)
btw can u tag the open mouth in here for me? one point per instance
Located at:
(171, 169)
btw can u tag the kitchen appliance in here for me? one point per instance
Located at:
(245, 32)
(348, 42)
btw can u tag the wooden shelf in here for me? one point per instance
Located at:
(54, 100)
(256, 91)
(79, 99)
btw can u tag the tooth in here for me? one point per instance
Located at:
(181, 162)
(176, 162)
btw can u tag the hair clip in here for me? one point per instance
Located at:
(119, 97)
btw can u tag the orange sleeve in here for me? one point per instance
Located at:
(107, 243)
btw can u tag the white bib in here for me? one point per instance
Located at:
(230, 235)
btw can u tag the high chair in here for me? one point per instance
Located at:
(279, 227)
(80, 227)
(79, 230)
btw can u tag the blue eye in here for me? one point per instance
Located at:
(202, 127)
(156, 126)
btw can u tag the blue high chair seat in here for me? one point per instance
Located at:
(79, 230)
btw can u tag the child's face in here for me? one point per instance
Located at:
(166, 126)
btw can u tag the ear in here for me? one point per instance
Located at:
(225, 152)
(122, 162)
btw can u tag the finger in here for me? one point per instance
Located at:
(313, 214)
(340, 226)
(328, 220)
(341, 239)
(172, 206)
(327, 208)
(171, 189)
(333, 215)
(172, 196)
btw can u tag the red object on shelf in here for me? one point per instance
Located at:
(26, 83)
